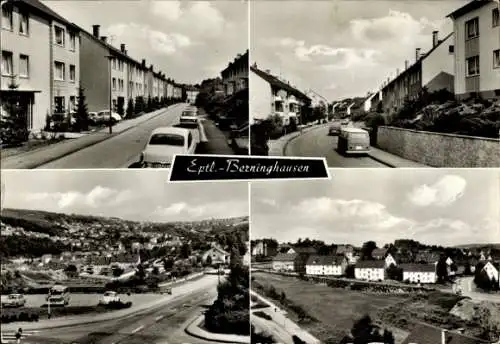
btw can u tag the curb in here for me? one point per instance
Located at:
(381, 161)
(305, 130)
(198, 320)
(87, 145)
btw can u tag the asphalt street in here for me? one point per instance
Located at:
(124, 149)
(164, 324)
(317, 143)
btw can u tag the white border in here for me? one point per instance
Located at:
(328, 176)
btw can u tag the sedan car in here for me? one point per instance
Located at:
(109, 297)
(335, 128)
(189, 118)
(103, 116)
(164, 143)
(13, 300)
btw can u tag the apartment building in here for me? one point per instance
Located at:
(170, 89)
(177, 92)
(477, 49)
(432, 70)
(270, 95)
(136, 75)
(235, 75)
(40, 53)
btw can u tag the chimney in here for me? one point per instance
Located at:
(443, 336)
(406, 64)
(397, 71)
(104, 38)
(122, 48)
(268, 71)
(435, 38)
(143, 63)
(95, 30)
(417, 54)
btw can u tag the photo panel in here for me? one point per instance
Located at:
(86, 86)
(380, 84)
(377, 256)
(123, 257)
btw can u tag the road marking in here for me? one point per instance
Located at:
(138, 329)
(159, 317)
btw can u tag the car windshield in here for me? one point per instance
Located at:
(189, 113)
(13, 296)
(167, 139)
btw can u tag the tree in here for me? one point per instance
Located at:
(149, 105)
(156, 271)
(395, 273)
(120, 108)
(208, 260)
(185, 250)
(14, 121)
(130, 108)
(484, 282)
(140, 273)
(442, 270)
(139, 105)
(82, 115)
(117, 271)
(71, 270)
(364, 331)
(367, 249)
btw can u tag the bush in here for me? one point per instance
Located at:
(263, 315)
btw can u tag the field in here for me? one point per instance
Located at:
(335, 309)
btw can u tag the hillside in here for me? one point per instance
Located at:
(479, 246)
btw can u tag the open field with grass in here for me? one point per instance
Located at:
(336, 310)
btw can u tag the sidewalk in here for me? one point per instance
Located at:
(194, 329)
(277, 147)
(46, 154)
(281, 320)
(217, 141)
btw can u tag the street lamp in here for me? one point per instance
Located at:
(110, 121)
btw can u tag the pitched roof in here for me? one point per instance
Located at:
(418, 267)
(428, 257)
(324, 260)
(38, 6)
(274, 81)
(370, 264)
(427, 334)
(285, 257)
(309, 250)
(342, 249)
(471, 6)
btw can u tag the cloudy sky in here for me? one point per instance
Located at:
(189, 41)
(343, 48)
(131, 195)
(437, 206)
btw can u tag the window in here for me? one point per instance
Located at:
(472, 64)
(167, 139)
(278, 106)
(7, 22)
(72, 41)
(472, 28)
(114, 83)
(59, 106)
(114, 63)
(59, 35)
(496, 58)
(451, 49)
(24, 24)
(190, 139)
(59, 72)
(7, 67)
(24, 66)
(72, 103)
(495, 20)
(72, 73)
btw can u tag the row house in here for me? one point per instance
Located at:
(419, 273)
(370, 270)
(433, 70)
(284, 262)
(270, 96)
(235, 75)
(326, 265)
(41, 54)
(477, 49)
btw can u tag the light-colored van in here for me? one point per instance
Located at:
(353, 141)
(58, 296)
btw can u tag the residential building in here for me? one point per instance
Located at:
(177, 92)
(433, 70)
(491, 270)
(379, 253)
(217, 256)
(419, 273)
(269, 95)
(235, 75)
(347, 251)
(371, 100)
(284, 262)
(170, 90)
(326, 265)
(427, 257)
(427, 334)
(110, 73)
(370, 270)
(317, 100)
(477, 49)
(192, 93)
(40, 53)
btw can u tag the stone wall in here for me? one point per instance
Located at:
(438, 149)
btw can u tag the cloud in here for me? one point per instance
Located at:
(96, 198)
(201, 17)
(198, 211)
(444, 192)
(161, 42)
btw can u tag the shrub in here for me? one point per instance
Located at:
(263, 315)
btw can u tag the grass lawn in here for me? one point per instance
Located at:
(335, 309)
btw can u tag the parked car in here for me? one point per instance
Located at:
(13, 301)
(108, 297)
(353, 141)
(93, 117)
(103, 116)
(189, 119)
(335, 128)
(164, 143)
